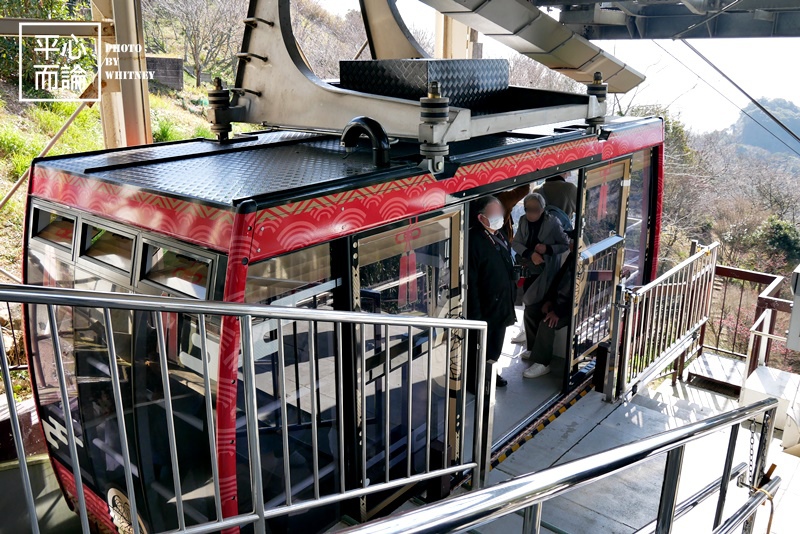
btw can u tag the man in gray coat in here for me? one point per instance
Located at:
(540, 241)
(557, 191)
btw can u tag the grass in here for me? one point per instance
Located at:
(26, 128)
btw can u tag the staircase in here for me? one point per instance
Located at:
(626, 502)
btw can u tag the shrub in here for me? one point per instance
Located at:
(165, 131)
(203, 131)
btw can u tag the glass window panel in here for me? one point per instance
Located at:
(636, 223)
(180, 272)
(408, 271)
(604, 194)
(53, 227)
(301, 279)
(108, 247)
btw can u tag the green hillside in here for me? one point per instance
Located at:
(25, 128)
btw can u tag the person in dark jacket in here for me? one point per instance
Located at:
(556, 311)
(558, 192)
(491, 287)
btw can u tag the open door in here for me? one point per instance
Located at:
(599, 263)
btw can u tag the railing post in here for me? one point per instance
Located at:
(767, 431)
(482, 454)
(770, 331)
(532, 519)
(616, 358)
(20, 446)
(763, 346)
(669, 491)
(726, 472)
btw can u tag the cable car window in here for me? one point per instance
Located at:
(636, 223)
(407, 270)
(604, 202)
(177, 271)
(302, 279)
(53, 227)
(297, 279)
(107, 247)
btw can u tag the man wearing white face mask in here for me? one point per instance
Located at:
(491, 283)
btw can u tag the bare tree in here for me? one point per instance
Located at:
(326, 38)
(211, 30)
(526, 72)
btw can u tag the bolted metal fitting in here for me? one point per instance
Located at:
(219, 100)
(599, 90)
(597, 87)
(434, 114)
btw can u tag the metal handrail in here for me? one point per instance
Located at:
(660, 322)
(126, 301)
(483, 506)
(246, 313)
(704, 251)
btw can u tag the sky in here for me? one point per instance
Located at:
(765, 68)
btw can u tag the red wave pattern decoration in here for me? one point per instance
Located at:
(182, 219)
(228, 380)
(96, 508)
(308, 222)
(302, 224)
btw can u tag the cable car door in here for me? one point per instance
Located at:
(603, 207)
(412, 268)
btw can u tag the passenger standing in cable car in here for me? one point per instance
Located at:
(540, 241)
(491, 284)
(558, 192)
(556, 310)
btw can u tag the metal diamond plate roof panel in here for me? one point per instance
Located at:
(222, 174)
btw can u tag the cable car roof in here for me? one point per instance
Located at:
(279, 166)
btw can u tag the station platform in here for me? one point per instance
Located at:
(628, 501)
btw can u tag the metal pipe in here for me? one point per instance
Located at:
(362, 395)
(339, 405)
(615, 355)
(698, 498)
(218, 526)
(447, 397)
(120, 409)
(463, 414)
(726, 473)
(167, 397)
(387, 371)
(251, 411)
(429, 407)
(681, 265)
(10, 276)
(669, 491)
(532, 519)
(409, 415)
(312, 356)
(482, 506)
(749, 508)
(481, 451)
(212, 434)
(73, 448)
(287, 468)
(374, 131)
(360, 492)
(18, 443)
